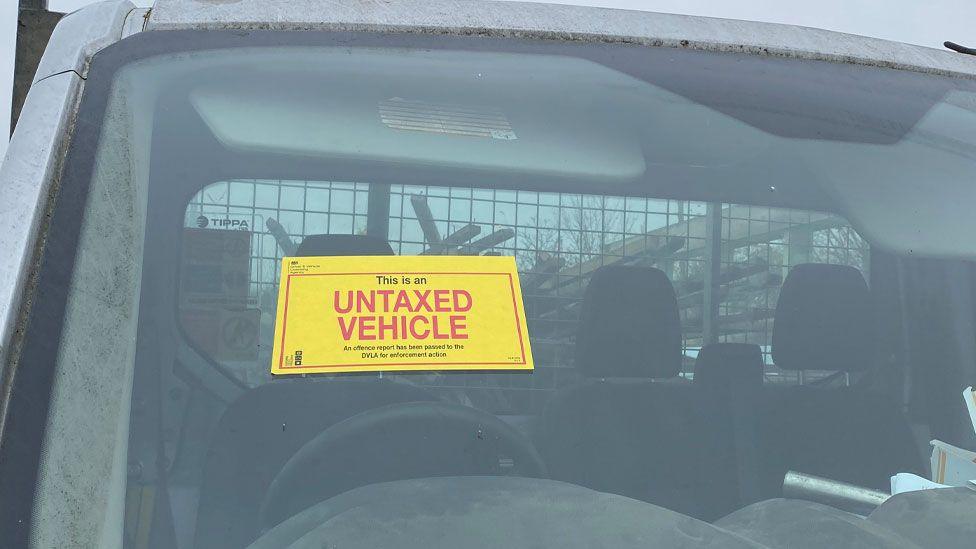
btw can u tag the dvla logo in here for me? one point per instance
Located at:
(226, 223)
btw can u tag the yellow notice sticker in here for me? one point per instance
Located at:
(399, 313)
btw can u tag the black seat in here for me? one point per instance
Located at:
(723, 365)
(261, 430)
(853, 434)
(943, 518)
(630, 427)
(343, 244)
(728, 382)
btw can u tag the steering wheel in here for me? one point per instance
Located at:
(398, 442)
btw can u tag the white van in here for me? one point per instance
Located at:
(745, 254)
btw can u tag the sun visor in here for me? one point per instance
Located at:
(497, 112)
(916, 196)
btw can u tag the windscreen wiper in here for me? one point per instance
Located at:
(959, 48)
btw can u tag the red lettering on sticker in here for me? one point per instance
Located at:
(367, 324)
(413, 327)
(438, 334)
(364, 302)
(402, 302)
(458, 327)
(383, 327)
(441, 301)
(339, 308)
(346, 329)
(459, 297)
(385, 294)
(422, 301)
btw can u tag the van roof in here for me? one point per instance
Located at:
(557, 22)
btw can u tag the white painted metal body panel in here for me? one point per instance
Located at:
(37, 146)
(79, 35)
(560, 22)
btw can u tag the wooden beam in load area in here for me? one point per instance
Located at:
(569, 283)
(456, 243)
(554, 311)
(287, 245)
(544, 269)
(487, 242)
(648, 245)
(426, 219)
(765, 224)
(692, 319)
(655, 256)
(731, 274)
(449, 246)
(454, 240)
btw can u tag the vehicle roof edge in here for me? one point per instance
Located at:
(558, 22)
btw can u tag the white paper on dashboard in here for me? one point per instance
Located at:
(908, 482)
(969, 395)
(952, 465)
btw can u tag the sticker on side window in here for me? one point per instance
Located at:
(399, 313)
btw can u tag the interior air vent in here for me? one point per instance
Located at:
(420, 116)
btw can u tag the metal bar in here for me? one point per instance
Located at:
(543, 270)
(731, 274)
(461, 236)
(378, 211)
(487, 242)
(800, 244)
(713, 272)
(905, 328)
(748, 316)
(652, 246)
(841, 495)
(288, 247)
(426, 220)
(450, 244)
(570, 283)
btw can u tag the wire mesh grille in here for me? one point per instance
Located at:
(558, 240)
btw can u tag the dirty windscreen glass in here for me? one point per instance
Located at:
(683, 232)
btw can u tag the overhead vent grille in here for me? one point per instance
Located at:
(421, 116)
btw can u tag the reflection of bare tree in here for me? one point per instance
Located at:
(579, 232)
(839, 245)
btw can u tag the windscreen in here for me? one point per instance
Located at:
(236, 233)
(730, 268)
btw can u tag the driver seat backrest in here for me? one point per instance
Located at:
(260, 431)
(824, 321)
(630, 427)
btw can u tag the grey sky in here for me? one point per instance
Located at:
(924, 22)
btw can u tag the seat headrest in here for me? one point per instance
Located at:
(823, 320)
(343, 244)
(629, 325)
(726, 364)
